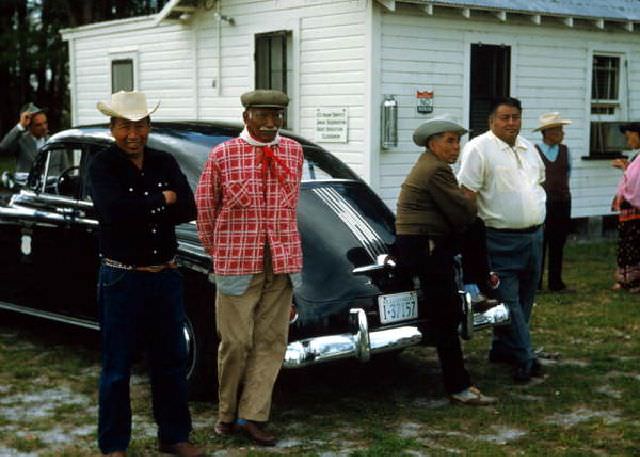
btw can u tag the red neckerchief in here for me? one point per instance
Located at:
(269, 159)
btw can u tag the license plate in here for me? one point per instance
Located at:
(398, 307)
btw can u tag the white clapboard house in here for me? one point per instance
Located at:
(362, 74)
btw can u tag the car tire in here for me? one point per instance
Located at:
(202, 341)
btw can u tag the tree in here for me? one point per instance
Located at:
(33, 57)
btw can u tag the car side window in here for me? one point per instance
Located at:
(60, 172)
(90, 153)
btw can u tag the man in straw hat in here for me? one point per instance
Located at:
(140, 195)
(557, 162)
(503, 173)
(432, 215)
(24, 140)
(247, 198)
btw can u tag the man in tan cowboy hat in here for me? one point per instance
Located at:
(432, 215)
(557, 162)
(140, 195)
(24, 140)
(247, 198)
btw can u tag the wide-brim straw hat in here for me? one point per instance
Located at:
(550, 120)
(437, 124)
(127, 105)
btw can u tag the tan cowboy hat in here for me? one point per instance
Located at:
(549, 120)
(127, 105)
(437, 124)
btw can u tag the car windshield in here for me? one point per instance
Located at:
(191, 148)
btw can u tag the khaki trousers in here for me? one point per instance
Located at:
(253, 329)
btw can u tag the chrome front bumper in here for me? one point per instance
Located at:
(361, 344)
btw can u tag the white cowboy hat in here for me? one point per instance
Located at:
(127, 105)
(437, 124)
(549, 120)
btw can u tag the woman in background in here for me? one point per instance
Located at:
(627, 202)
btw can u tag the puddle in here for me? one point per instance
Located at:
(571, 419)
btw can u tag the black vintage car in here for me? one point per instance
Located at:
(353, 302)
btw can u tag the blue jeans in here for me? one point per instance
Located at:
(140, 308)
(516, 257)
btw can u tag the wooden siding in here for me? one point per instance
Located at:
(550, 72)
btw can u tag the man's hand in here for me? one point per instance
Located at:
(25, 119)
(170, 197)
(471, 195)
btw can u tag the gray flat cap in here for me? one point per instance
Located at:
(437, 124)
(264, 99)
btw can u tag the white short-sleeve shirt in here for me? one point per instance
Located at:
(507, 180)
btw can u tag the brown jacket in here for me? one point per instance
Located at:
(431, 201)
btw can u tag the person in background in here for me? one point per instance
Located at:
(557, 162)
(503, 173)
(29, 135)
(432, 215)
(247, 199)
(140, 195)
(627, 203)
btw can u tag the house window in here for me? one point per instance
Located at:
(607, 89)
(605, 84)
(121, 75)
(271, 61)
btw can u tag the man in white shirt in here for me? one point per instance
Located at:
(503, 172)
(29, 135)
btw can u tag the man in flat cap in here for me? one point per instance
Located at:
(247, 198)
(24, 140)
(432, 214)
(557, 163)
(140, 195)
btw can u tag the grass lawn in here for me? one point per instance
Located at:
(587, 406)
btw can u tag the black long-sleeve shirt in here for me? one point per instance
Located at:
(136, 226)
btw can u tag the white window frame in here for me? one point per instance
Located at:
(124, 54)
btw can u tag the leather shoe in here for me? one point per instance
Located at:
(184, 449)
(258, 436)
(116, 454)
(224, 428)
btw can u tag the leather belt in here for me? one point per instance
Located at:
(149, 268)
(531, 229)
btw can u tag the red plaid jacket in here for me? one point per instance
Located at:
(237, 215)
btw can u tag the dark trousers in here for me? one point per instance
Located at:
(140, 308)
(556, 230)
(443, 307)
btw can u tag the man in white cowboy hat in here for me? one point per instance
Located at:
(557, 162)
(140, 195)
(24, 140)
(247, 198)
(432, 215)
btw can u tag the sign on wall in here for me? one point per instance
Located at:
(424, 101)
(332, 125)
